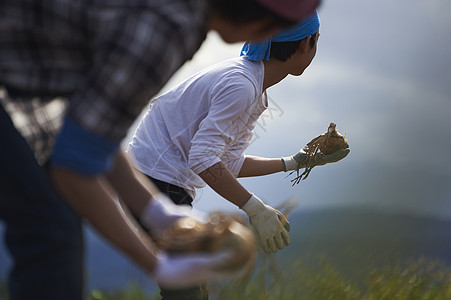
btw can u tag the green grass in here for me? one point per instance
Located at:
(318, 279)
(3, 290)
(315, 278)
(133, 292)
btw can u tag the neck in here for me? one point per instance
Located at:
(274, 72)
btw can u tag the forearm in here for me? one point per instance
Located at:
(132, 186)
(259, 166)
(222, 181)
(92, 198)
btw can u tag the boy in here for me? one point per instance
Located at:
(196, 133)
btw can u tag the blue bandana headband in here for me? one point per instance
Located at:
(258, 51)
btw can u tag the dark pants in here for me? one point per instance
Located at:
(43, 235)
(179, 196)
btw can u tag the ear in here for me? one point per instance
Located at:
(304, 44)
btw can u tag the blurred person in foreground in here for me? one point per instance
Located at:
(74, 75)
(197, 133)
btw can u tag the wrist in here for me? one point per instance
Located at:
(289, 163)
(295, 162)
(253, 205)
(160, 213)
(150, 264)
(153, 211)
(160, 260)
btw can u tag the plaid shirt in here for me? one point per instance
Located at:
(107, 57)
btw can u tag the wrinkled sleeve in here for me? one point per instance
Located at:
(235, 157)
(227, 118)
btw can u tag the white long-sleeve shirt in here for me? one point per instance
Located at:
(206, 119)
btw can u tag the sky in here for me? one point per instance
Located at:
(382, 73)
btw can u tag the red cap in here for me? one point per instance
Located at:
(293, 10)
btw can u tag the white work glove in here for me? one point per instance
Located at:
(270, 225)
(298, 160)
(160, 213)
(187, 270)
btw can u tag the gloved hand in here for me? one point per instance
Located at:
(298, 160)
(269, 224)
(186, 270)
(161, 212)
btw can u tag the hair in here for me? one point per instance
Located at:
(284, 50)
(244, 11)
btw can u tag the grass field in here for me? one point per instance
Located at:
(340, 255)
(317, 279)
